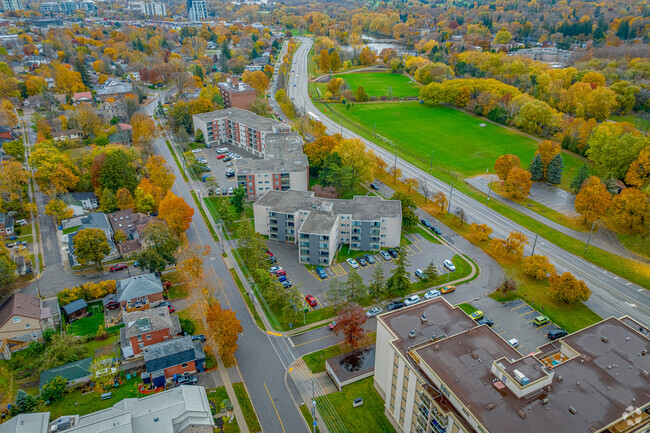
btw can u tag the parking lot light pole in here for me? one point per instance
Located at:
(451, 193)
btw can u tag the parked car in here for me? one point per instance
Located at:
(332, 325)
(412, 300)
(394, 306)
(426, 223)
(187, 380)
(431, 294)
(420, 274)
(282, 278)
(224, 191)
(222, 150)
(541, 320)
(274, 269)
(353, 263)
(286, 284)
(373, 186)
(370, 259)
(436, 230)
(196, 150)
(321, 273)
(447, 289)
(485, 321)
(449, 265)
(393, 252)
(373, 312)
(199, 337)
(230, 192)
(221, 156)
(311, 300)
(513, 342)
(272, 259)
(478, 314)
(362, 261)
(281, 273)
(118, 267)
(384, 255)
(169, 306)
(113, 305)
(556, 333)
(227, 159)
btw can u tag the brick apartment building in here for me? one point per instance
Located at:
(236, 94)
(145, 328)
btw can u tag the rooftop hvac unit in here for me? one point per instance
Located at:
(521, 378)
(412, 333)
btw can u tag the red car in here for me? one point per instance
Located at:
(119, 267)
(280, 273)
(221, 156)
(311, 300)
(332, 325)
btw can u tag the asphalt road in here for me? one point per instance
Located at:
(611, 294)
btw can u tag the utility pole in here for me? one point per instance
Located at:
(395, 150)
(451, 193)
(431, 163)
(589, 238)
(534, 244)
(313, 407)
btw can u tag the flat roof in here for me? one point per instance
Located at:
(607, 377)
(241, 116)
(283, 154)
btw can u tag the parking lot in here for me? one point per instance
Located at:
(420, 253)
(514, 319)
(219, 167)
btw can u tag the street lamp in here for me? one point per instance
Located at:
(589, 238)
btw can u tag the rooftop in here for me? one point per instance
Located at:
(21, 305)
(153, 319)
(238, 115)
(283, 154)
(74, 306)
(70, 371)
(238, 87)
(172, 352)
(138, 286)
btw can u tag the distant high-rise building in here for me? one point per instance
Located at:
(15, 5)
(196, 10)
(153, 9)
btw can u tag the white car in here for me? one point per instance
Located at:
(222, 150)
(353, 263)
(196, 150)
(411, 300)
(432, 294)
(420, 274)
(449, 265)
(513, 342)
(373, 312)
(274, 269)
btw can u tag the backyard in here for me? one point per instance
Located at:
(88, 326)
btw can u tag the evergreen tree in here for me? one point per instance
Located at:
(555, 169)
(536, 169)
(580, 177)
(431, 272)
(25, 402)
(377, 286)
(80, 67)
(399, 284)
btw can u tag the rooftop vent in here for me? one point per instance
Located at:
(423, 318)
(545, 400)
(558, 378)
(604, 339)
(155, 419)
(412, 333)
(489, 406)
(521, 414)
(573, 410)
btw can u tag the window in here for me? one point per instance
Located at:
(184, 365)
(28, 325)
(16, 319)
(149, 337)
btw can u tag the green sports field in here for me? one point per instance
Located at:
(381, 84)
(457, 141)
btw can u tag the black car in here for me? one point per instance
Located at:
(436, 230)
(393, 253)
(485, 321)
(373, 186)
(286, 284)
(361, 260)
(187, 380)
(426, 223)
(271, 259)
(556, 333)
(394, 306)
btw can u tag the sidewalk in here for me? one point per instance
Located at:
(321, 384)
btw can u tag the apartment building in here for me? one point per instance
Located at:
(284, 167)
(13, 5)
(236, 94)
(438, 371)
(196, 10)
(153, 9)
(320, 226)
(239, 128)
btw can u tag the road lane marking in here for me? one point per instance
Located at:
(274, 333)
(276, 409)
(321, 338)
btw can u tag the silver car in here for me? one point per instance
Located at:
(373, 312)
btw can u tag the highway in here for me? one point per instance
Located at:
(611, 294)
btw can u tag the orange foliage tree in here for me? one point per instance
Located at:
(569, 289)
(630, 211)
(593, 199)
(538, 267)
(176, 213)
(223, 329)
(518, 183)
(504, 164)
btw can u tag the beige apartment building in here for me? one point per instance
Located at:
(439, 371)
(320, 226)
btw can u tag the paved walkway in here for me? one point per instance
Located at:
(603, 238)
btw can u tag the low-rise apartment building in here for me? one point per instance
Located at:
(237, 127)
(236, 94)
(284, 167)
(320, 226)
(439, 371)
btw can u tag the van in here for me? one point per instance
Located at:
(222, 150)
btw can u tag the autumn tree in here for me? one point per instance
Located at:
(480, 232)
(411, 184)
(358, 157)
(547, 150)
(55, 171)
(324, 61)
(257, 80)
(160, 248)
(593, 200)
(518, 183)
(143, 129)
(361, 95)
(223, 329)
(7, 113)
(118, 171)
(191, 265)
(318, 149)
(101, 373)
(441, 201)
(630, 211)
(335, 61)
(504, 164)
(334, 85)
(13, 177)
(510, 249)
(567, 288)
(538, 267)
(613, 148)
(159, 173)
(91, 245)
(7, 271)
(395, 173)
(59, 210)
(124, 199)
(349, 324)
(176, 213)
(639, 172)
(67, 80)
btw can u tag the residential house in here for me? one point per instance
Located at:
(111, 108)
(6, 225)
(23, 264)
(174, 357)
(92, 220)
(35, 60)
(20, 322)
(122, 136)
(139, 292)
(75, 310)
(82, 97)
(74, 372)
(132, 225)
(50, 313)
(70, 134)
(6, 134)
(114, 89)
(80, 202)
(146, 327)
(36, 101)
(184, 409)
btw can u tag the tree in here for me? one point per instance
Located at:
(349, 324)
(7, 271)
(504, 164)
(358, 157)
(66, 80)
(124, 199)
(580, 177)
(547, 150)
(257, 80)
(107, 201)
(160, 250)
(55, 171)
(460, 213)
(518, 183)
(212, 185)
(480, 232)
(13, 177)
(25, 402)
(639, 171)
(91, 245)
(441, 201)
(424, 189)
(502, 37)
(101, 372)
(395, 173)
(593, 200)
(409, 218)
(118, 171)
(198, 136)
(63, 349)
(613, 148)
(224, 329)
(143, 129)
(399, 284)
(430, 272)
(88, 120)
(511, 249)
(324, 61)
(335, 61)
(536, 169)
(354, 287)
(59, 210)
(159, 173)
(101, 140)
(176, 213)
(318, 149)
(334, 85)
(237, 200)
(80, 67)
(538, 267)
(411, 184)
(569, 289)
(630, 211)
(54, 389)
(554, 170)
(15, 148)
(377, 286)
(360, 95)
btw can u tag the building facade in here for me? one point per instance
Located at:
(321, 226)
(196, 10)
(172, 358)
(236, 94)
(6, 225)
(13, 5)
(239, 128)
(20, 322)
(439, 371)
(153, 9)
(284, 167)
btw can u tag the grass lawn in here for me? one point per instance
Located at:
(178, 164)
(87, 325)
(346, 253)
(426, 234)
(640, 244)
(70, 230)
(205, 217)
(458, 143)
(306, 413)
(467, 308)
(190, 314)
(381, 84)
(177, 292)
(247, 407)
(640, 123)
(316, 360)
(247, 299)
(571, 317)
(368, 417)
(218, 395)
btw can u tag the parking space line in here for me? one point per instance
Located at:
(500, 333)
(540, 327)
(338, 270)
(418, 248)
(522, 305)
(531, 311)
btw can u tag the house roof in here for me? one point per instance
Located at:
(6, 220)
(71, 371)
(172, 352)
(66, 133)
(80, 95)
(26, 422)
(21, 305)
(153, 319)
(138, 286)
(74, 306)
